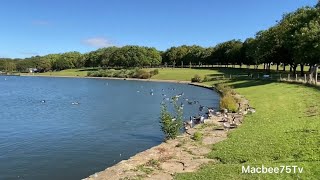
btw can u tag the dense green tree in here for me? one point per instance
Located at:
(135, 56)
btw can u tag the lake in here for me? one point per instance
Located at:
(58, 139)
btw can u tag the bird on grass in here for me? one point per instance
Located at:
(226, 126)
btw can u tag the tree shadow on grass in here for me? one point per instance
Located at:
(242, 71)
(237, 84)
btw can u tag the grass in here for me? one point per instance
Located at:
(285, 130)
(68, 72)
(184, 74)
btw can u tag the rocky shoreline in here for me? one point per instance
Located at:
(183, 154)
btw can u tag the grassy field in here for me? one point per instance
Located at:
(68, 72)
(284, 131)
(183, 74)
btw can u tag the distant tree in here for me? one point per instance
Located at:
(105, 55)
(44, 64)
(9, 66)
(62, 63)
(176, 54)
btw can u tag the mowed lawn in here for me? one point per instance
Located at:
(68, 72)
(285, 130)
(183, 74)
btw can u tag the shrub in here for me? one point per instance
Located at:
(228, 102)
(197, 136)
(142, 74)
(206, 79)
(171, 128)
(123, 73)
(225, 89)
(196, 78)
(155, 71)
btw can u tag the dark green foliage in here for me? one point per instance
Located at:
(123, 73)
(196, 78)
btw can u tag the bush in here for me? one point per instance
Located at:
(197, 136)
(171, 128)
(206, 79)
(225, 89)
(228, 102)
(124, 73)
(142, 74)
(196, 78)
(155, 72)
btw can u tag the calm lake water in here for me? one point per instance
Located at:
(58, 140)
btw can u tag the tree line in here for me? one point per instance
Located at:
(293, 41)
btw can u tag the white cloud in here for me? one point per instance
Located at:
(97, 42)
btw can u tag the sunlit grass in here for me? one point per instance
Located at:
(285, 130)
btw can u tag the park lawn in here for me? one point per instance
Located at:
(183, 74)
(285, 130)
(68, 72)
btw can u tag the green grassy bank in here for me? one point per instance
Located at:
(285, 130)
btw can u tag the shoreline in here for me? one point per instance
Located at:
(110, 78)
(162, 161)
(180, 155)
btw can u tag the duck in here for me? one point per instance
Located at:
(75, 103)
(43, 101)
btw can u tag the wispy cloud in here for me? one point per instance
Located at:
(40, 23)
(97, 42)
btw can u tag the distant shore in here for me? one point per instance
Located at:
(113, 78)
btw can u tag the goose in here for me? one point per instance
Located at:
(201, 108)
(226, 126)
(167, 99)
(190, 122)
(252, 110)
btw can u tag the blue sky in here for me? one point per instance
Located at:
(39, 27)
